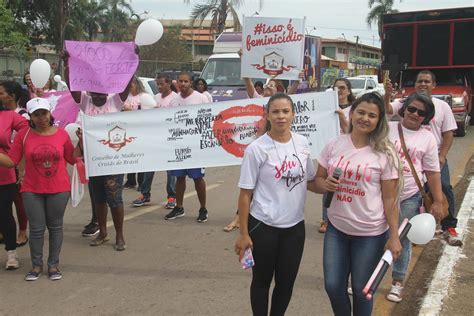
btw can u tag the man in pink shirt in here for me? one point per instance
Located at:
(442, 126)
(188, 96)
(162, 100)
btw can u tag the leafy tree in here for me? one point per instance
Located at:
(376, 13)
(116, 22)
(219, 11)
(170, 52)
(9, 36)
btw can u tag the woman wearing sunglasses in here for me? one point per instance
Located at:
(417, 110)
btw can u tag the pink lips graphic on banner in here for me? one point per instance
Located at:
(63, 107)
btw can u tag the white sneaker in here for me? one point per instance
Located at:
(395, 294)
(12, 260)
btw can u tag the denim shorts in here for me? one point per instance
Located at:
(107, 189)
(195, 173)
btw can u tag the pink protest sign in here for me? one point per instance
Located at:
(63, 107)
(101, 67)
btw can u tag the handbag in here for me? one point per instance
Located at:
(77, 182)
(427, 196)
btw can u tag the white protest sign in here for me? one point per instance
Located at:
(272, 47)
(207, 135)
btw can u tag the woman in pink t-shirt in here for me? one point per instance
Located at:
(417, 110)
(10, 122)
(45, 189)
(103, 190)
(132, 104)
(363, 213)
(13, 97)
(200, 85)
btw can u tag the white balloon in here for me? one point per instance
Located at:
(40, 70)
(71, 130)
(147, 101)
(148, 32)
(422, 228)
(57, 78)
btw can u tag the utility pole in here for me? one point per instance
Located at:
(357, 51)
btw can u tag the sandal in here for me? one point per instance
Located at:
(98, 241)
(231, 227)
(120, 247)
(21, 244)
(323, 226)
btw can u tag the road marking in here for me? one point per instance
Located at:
(148, 209)
(439, 286)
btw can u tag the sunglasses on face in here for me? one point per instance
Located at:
(412, 109)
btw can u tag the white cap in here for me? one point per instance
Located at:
(37, 104)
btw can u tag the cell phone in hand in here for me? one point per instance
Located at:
(247, 259)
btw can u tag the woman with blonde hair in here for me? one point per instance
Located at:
(363, 214)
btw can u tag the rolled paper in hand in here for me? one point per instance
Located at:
(383, 264)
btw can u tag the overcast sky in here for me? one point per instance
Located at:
(331, 18)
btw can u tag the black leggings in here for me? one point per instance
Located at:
(276, 251)
(7, 222)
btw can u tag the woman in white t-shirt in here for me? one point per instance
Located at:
(363, 214)
(277, 170)
(417, 110)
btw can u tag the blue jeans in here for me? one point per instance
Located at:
(408, 208)
(146, 183)
(170, 185)
(450, 220)
(45, 210)
(346, 255)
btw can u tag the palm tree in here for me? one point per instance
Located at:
(376, 13)
(219, 10)
(117, 19)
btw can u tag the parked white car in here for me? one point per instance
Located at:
(150, 85)
(365, 84)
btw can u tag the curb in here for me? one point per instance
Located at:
(443, 276)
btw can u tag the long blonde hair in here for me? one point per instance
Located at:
(378, 138)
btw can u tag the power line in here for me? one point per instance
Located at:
(343, 29)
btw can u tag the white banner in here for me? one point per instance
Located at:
(207, 135)
(272, 47)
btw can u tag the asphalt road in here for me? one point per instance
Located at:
(172, 268)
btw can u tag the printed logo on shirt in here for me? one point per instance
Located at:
(401, 154)
(291, 171)
(351, 180)
(117, 138)
(45, 160)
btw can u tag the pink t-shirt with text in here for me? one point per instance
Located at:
(357, 207)
(112, 105)
(443, 120)
(46, 157)
(164, 102)
(421, 146)
(193, 98)
(10, 122)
